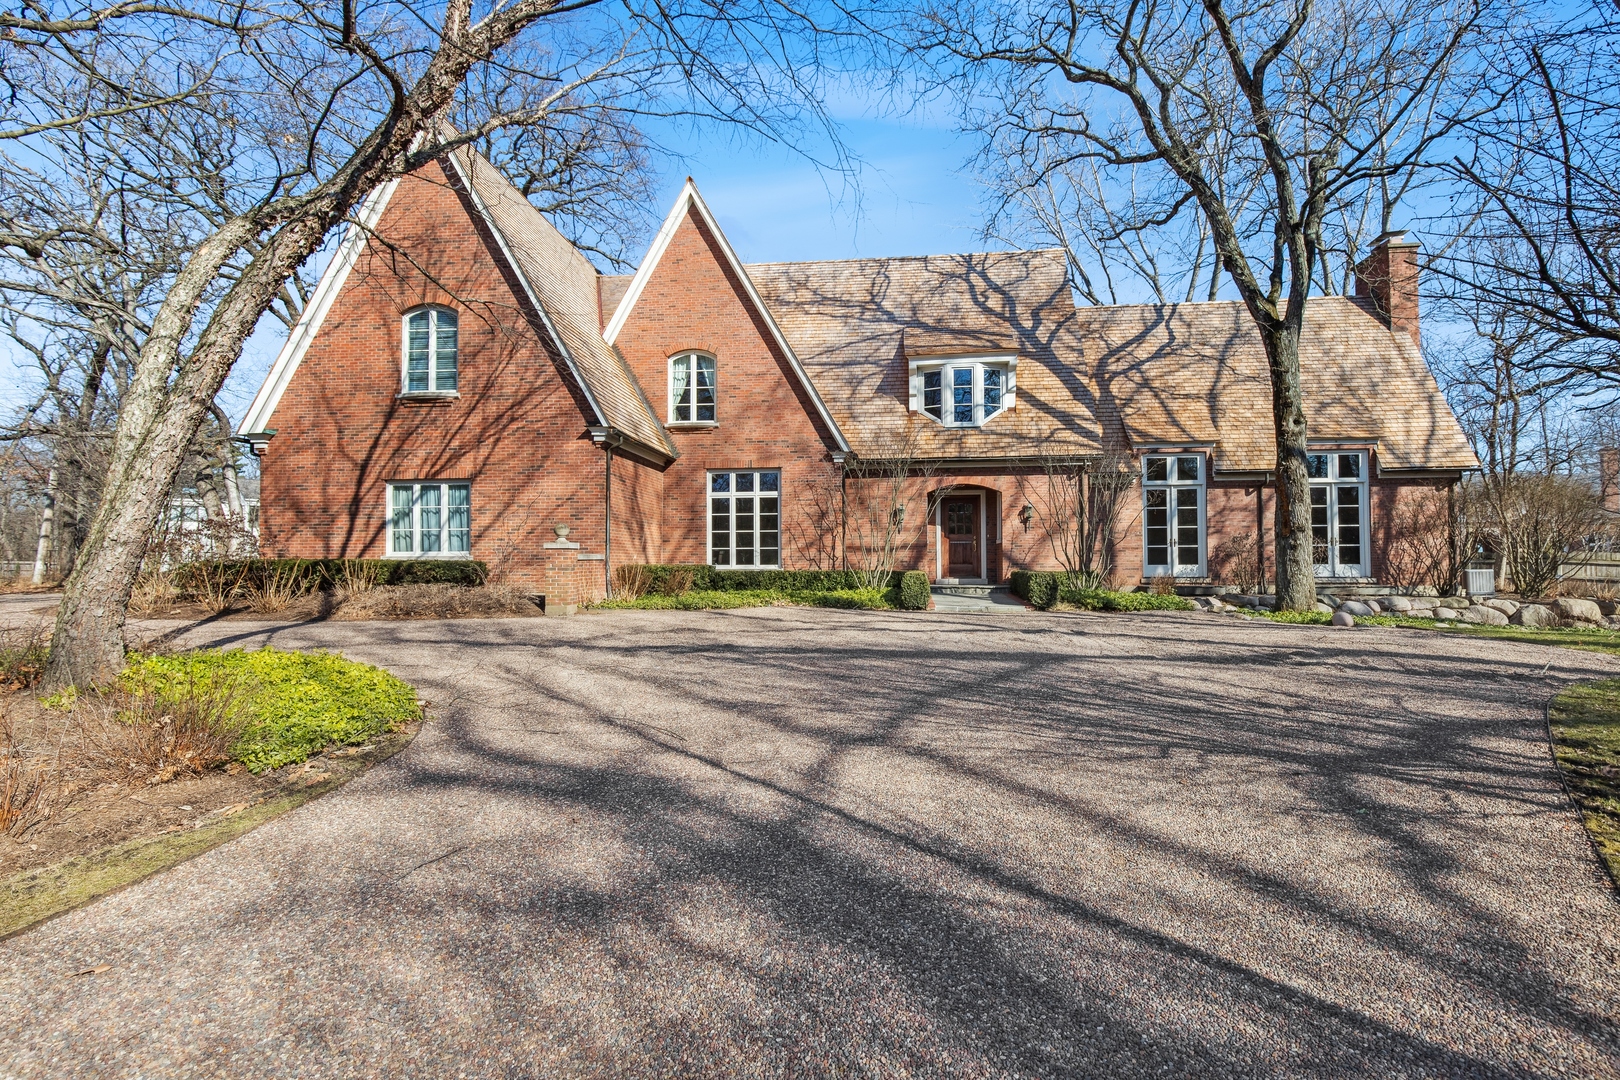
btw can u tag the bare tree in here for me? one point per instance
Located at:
(1323, 99)
(225, 143)
(1540, 206)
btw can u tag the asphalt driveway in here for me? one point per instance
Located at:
(802, 842)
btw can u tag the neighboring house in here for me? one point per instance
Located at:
(464, 384)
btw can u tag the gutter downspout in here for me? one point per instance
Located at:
(607, 523)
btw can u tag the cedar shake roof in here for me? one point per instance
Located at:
(566, 286)
(1196, 373)
(852, 324)
(1148, 375)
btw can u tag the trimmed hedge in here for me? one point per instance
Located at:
(1039, 587)
(714, 579)
(311, 575)
(914, 594)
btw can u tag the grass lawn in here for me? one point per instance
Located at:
(1585, 722)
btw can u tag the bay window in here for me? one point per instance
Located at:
(962, 392)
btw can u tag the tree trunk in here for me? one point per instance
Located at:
(1296, 564)
(42, 550)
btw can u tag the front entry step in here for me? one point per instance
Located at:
(953, 589)
(954, 598)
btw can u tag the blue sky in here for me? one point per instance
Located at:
(916, 197)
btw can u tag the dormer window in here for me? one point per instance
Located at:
(430, 351)
(691, 389)
(963, 391)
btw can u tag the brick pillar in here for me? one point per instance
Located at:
(1389, 277)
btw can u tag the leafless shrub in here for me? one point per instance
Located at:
(876, 528)
(1534, 521)
(214, 585)
(154, 590)
(275, 590)
(1419, 552)
(356, 576)
(631, 582)
(1079, 507)
(1162, 585)
(437, 601)
(22, 657)
(29, 782)
(677, 583)
(154, 738)
(1236, 561)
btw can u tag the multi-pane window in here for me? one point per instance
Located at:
(1338, 513)
(691, 389)
(745, 519)
(430, 351)
(1173, 514)
(965, 393)
(430, 519)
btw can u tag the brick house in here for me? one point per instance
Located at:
(464, 384)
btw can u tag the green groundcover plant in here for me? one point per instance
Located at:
(297, 704)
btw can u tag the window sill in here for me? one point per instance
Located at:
(430, 396)
(440, 556)
(681, 425)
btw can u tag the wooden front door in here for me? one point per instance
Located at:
(961, 515)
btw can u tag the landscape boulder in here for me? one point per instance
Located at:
(1505, 606)
(1443, 612)
(1479, 613)
(1343, 618)
(1355, 607)
(1400, 603)
(1534, 615)
(1577, 610)
(1323, 608)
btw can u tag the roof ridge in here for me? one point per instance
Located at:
(905, 258)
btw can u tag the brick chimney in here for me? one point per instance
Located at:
(1609, 477)
(1389, 276)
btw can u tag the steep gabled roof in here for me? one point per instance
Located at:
(1197, 373)
(854, 322)
(689, 201)
(559, 282)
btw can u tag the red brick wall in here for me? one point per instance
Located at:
(517, 431)
(765, 421)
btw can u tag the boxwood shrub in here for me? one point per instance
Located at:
(311, 575)
(1039, 587)
(914, 593)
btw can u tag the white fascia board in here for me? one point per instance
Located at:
(528, 288)
(689, 197)
(257, 420)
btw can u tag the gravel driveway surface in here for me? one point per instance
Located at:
(801, 842)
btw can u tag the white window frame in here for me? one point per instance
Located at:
(1333, 484)
(709, 495)
(416, 487)
(433, 390)
(1006, 363)
(1172, 485)
(693, 356)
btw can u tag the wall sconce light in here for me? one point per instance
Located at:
(1026, 515)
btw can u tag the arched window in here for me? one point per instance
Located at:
(430, 351)
(691, 389)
